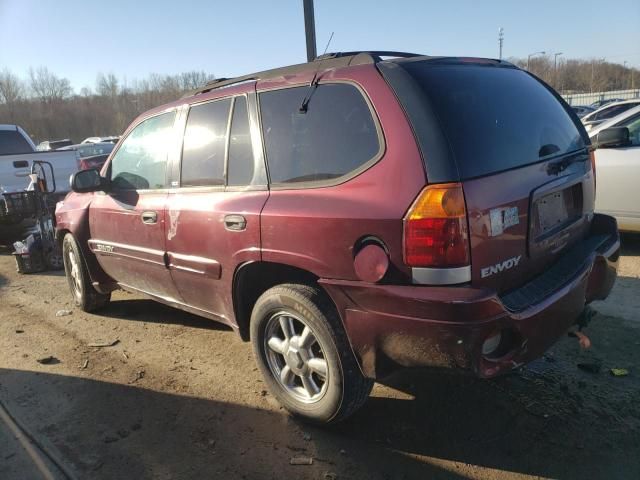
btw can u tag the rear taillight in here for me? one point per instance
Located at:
(435, 228)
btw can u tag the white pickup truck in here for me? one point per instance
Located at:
(17, 152)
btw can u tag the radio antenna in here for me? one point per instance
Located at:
(314, 81)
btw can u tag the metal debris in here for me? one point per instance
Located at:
(48, 360)
(104, 343)
(301, 461)
(63, 313)
(85, 364)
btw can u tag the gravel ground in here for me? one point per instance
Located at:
(180, 397)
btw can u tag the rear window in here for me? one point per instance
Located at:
(495, 118)
(12, 142)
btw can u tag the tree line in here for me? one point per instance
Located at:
(580, 75)
(47, 107)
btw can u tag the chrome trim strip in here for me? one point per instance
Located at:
(441, 276)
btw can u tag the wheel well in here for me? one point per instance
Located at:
(253, 279)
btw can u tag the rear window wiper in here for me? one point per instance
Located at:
(561, 165)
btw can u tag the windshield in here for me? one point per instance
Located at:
(495, 118)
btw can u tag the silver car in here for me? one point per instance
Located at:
(617, 155)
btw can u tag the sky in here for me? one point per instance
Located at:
(77, 39)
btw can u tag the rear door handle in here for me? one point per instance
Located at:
(235, 223)
(149, 217)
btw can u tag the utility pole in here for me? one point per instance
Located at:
(310, 30)
(500, 41)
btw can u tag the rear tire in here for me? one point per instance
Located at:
(84, 295)
(303, 354)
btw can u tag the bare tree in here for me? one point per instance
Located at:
(107, 85)
(11, 88)
(48, 87)
(194, 79)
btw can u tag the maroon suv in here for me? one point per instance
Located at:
(353, 214)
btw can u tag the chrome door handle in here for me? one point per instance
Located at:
(235, 223)
(149, 217)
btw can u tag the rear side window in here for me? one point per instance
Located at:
(12, 142)
(495, 118)
(205, 140)
(240, 149)
(141, 161)
(335, 137)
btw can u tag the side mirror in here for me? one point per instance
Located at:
(612, 137)
(87, 181)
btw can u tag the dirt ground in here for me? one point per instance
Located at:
(179, 397)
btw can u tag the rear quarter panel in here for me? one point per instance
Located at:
(316, 228)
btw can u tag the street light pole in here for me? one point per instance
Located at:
(624, 66)
(555, 67)
(500, 41)
(532, 54)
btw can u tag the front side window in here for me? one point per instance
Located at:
(336, 136)
(205, 140)
(141, 161)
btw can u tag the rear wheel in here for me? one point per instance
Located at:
(85, 296)
(302, 351)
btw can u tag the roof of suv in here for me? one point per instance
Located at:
(336, 60)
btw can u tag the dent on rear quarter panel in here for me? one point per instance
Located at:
(73, 216)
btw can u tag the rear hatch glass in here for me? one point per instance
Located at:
(495, 118)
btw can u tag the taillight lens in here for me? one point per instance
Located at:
(435, 228)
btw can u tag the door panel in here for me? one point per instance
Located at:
(617, 175)
(128, 249)
(203, 250)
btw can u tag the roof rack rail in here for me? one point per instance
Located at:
(329, 60)
(375, 54)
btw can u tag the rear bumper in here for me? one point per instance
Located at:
(446, 326)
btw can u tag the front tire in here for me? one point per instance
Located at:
(84, 295)
(303, 354)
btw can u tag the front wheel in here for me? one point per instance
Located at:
(304, 356)
(84, 295)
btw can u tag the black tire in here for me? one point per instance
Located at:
(345, 388)
(84, 295)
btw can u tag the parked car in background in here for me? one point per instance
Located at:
(90, 149)
(17, 153)
(618, 168)
(109, 139)
(602, 103)
(582, 110)
(53, 145)
(608, 111)
(95, 161)
(351, 215)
